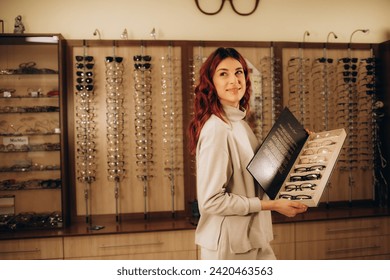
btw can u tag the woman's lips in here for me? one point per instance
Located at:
(233, 90)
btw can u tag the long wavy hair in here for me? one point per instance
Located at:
(206, 100)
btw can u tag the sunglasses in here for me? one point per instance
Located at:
(86, 87)
(350, 73)
(84, 80)
(117, 59)
(142, 66)
(82, 73)
(82, 65)
(142, 58)
(324, 59)
(87, 58)
(350, 80)
(350, 66)
(348, 59)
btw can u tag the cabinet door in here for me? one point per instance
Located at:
(342, 229)
(284, 241)
(151, 245)
(32, 157)
(349, 248)
(31, 249)
(343, 239)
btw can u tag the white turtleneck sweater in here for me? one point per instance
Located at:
(226, 191)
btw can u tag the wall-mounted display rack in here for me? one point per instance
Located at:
(122, 108)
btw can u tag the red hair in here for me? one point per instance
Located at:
(206, 100)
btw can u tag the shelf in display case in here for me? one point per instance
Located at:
(293, 164)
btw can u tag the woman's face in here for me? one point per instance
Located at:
(229, 81)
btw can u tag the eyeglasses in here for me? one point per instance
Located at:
(316, 151)
(313, 160)
(114, 80)
(144, 156)
(298, 61)
(143, 88)
(307, 177)
(315, 144)
(86, 179)
(310, 168)
(295, 197)
(85, 125)
(301, 187)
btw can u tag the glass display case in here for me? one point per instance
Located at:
(32, 141)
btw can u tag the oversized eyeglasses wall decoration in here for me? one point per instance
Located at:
(231, 4)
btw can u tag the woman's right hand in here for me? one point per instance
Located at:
(285, 207)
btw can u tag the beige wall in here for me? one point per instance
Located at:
(275, 20)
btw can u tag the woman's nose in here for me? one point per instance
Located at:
(233, 80)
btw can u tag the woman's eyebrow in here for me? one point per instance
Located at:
(225, 69)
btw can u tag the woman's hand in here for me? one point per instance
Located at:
(309, 131)
(285, 207)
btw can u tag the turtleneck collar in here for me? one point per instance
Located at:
(234, 114)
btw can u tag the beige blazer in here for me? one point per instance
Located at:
(226, 191)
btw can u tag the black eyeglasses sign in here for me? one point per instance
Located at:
(231, 4)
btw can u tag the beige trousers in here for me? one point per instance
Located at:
(223, 251)
(254, 254)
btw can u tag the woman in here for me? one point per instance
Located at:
(235, 221)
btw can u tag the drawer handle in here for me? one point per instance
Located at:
(36, 250)
(334, 251)
(351, 229)
(130, 245)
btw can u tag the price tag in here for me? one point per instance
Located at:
(17, 141)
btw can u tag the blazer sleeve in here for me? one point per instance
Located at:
(214, 170)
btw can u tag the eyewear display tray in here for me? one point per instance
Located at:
(291, 164)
